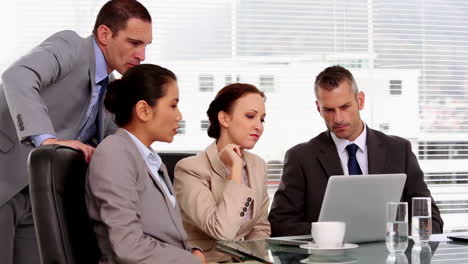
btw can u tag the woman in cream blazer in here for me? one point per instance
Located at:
(222, 191)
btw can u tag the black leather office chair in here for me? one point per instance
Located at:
(170, 159)
(57, 185)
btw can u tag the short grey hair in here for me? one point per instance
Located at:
(332, 77)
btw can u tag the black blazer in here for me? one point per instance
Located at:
(308, 166)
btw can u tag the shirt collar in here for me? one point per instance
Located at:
(148, 154)
(360, 141)
(101, 65)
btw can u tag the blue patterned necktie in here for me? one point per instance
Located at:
(353, 165)
(103, 83)
(89, 128)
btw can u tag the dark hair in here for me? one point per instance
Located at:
(116, 13)
(224, 101)
(142, 82)
(332, 77)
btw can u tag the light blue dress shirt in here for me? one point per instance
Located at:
(153, 161)
(87, 127)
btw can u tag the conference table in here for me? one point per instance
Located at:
(439, 250)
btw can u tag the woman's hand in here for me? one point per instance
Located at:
(197, 253)
(231, 156)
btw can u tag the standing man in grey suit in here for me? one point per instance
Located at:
(348, 147)
(53, 95)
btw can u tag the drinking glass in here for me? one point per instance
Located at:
(397, 227)
(397, 258)
(421, 221)
(421, 254)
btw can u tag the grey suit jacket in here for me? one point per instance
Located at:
(47, 91)
(308, 166)
(134, 220)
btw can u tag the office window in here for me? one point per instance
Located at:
(384, 127)
(204, 124)
(274, 172)
(228, 79)
(182, 127)
(446, 178)
(206, 83)
(396, 87)
(443, 150)
(267, 83)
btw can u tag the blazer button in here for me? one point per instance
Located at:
(247, 204)
(244, 209)
(242, 214)
(249, 199)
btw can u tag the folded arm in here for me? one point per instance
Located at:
(220, 220)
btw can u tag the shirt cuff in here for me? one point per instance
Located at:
(38, 139)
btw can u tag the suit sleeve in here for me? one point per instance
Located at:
(287, 210)
(25, 80)
(220, 220)
(114, 192)
(416, 187)
(262, 228)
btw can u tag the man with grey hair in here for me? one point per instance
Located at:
(348, 147)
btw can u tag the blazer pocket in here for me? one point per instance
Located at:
(6, 144)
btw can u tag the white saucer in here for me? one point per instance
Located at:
(313, 249)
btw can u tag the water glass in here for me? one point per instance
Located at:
(397, 258)
(421, 254)
(397, 227)
(421, 221)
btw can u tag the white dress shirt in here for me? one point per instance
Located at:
(361, 154)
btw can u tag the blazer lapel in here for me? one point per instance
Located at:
(376, 153)
(88, 44)
(252, 171)
(173, 211)
(216, 163)
(166, 179)
(161, 189)
(328, 156)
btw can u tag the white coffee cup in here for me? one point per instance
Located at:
(328, 234)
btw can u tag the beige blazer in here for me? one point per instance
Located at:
(213, 207)
(134, 220)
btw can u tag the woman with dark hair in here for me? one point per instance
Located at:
(128, 192)
(222, 191)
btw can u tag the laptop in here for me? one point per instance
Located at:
(361, 202)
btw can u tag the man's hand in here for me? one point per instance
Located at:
(197, 253)
(78, 145)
